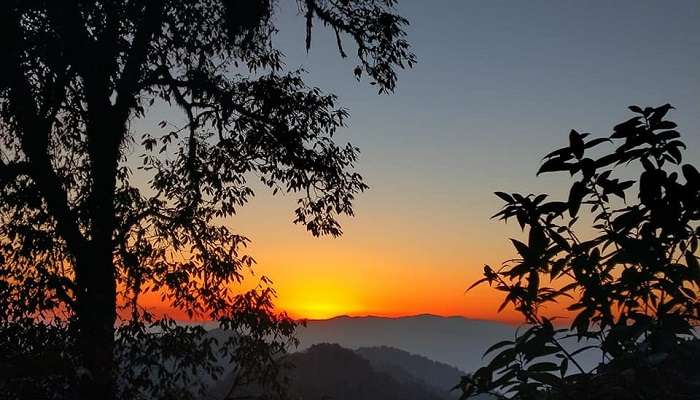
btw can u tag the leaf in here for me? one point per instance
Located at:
(576, 144)
(692, 176)
(564, 365)
(497, 346)
(554, 165)
(581, 322)
(547, 379)
(596, 142)
(587, 167)
(477, 283)
(504, 196)
(554, 207)
(537, 200)
(560, 240)
(544, 351)
(666, 125)
(502, 359)
(627, 128)
(675, 153)
(522, 248)
(543, 367)
(563, 153)
(576, 194)
(648, 166)
(660, 112)
(537, 241)
(668, 135)
(609, 159)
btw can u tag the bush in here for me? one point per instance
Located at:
(626, 265)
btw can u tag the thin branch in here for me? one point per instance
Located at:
(34, 134)
(127, 87)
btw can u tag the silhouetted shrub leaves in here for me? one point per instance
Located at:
(630, 281)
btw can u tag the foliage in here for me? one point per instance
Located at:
(37, 360)
(94, 213)
(630, 279)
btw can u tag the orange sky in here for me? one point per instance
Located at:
(387, 264)
(492, 92)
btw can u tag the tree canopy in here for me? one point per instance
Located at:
(94, 213)
(628, 271)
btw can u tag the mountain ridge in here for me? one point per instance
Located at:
(454, 340)
(409, 316)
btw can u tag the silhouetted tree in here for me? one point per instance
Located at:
(93, 213)
(630, 277)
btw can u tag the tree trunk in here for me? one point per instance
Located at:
(96, 319)
(97, 307)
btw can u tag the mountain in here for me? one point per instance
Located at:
(329, 371)
(404, 366)
(424, 355)
(456, 341)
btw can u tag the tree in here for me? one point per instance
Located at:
(85, 229)
(630, 279)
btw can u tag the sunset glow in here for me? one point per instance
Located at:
(461, 126)
(319, 300)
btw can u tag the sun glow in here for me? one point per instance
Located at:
(318, 310)
(319, 300)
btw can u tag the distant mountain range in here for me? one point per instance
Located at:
(375, 358)
(456, 341)
(412, 368)
(328, 371)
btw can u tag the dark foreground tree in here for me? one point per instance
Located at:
(94, 213)
(628, 272)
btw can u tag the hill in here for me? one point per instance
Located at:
(329, 371)
(456, 341)
(405, 366)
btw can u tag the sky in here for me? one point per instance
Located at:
(498, 84)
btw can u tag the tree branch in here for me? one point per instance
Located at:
(34, 130)
(70, 26)
(127, 87)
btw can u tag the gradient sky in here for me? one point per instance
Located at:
(498, 84)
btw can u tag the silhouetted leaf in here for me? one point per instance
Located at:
(547, 379)
(522, 249)
(563, 366)
(668, 135)
(543, 367)
(576, 144)
(504, 196)
(576, 194)
(627, 128)
(554, 165)
(477, 283)
(498, 346)
(692, 176)
(595, 142)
